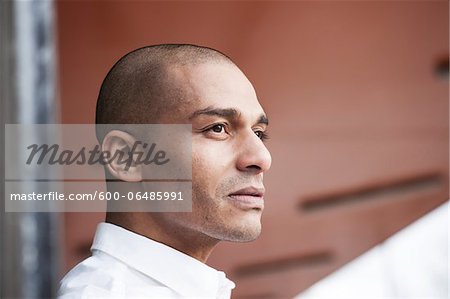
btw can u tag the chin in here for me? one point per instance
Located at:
(246, 238)
(246, 231)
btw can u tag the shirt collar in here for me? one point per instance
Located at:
(180, 272)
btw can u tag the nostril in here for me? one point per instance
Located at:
(254, 167)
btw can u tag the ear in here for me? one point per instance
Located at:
(119, 147)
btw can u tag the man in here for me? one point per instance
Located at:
(163, 255)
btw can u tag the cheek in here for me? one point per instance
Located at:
(208, 166)
(204, 181)
(211, 172)
(208, 175)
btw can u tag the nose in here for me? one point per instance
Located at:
(253, 155)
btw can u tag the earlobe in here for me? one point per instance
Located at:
(118, 149)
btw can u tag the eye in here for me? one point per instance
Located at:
(218, 128)
(262, 135)
(217, 131)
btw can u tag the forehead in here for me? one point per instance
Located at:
(218, 85)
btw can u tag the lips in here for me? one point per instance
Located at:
(248, 198)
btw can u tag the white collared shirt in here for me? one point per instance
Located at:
(127, 265)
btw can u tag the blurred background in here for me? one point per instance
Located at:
(357, 93)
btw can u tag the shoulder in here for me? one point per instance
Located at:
(96, 276)
(102, 276)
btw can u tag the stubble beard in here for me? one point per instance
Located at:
(219, 219)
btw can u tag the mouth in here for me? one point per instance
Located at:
(248, 198)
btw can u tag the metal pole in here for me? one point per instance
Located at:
(29, 239)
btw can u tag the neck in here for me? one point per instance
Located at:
(155, 227)
(161, 227)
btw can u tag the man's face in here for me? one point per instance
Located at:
(228, 153)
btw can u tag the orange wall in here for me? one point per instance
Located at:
(352, 98)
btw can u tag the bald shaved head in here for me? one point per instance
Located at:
(140, 88)
(199, 86)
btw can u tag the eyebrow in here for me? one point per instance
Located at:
(225, 112)
(263, 120)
